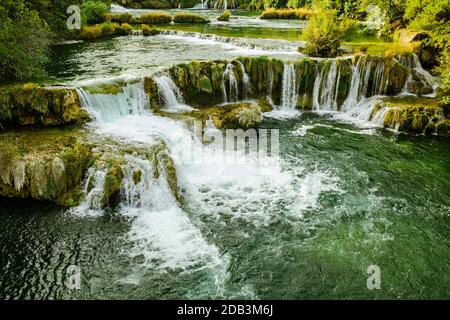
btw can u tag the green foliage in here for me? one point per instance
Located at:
(393, 10)
(156, 18)
(433, 16)
(118, 17)
(225, 16)
(444, 71)
(105, 29)
(92, 11)
(24, 39)
(186, 17)
(355, 9)
(324, 32)
(301, 13)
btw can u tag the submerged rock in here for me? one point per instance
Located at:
(30, 104)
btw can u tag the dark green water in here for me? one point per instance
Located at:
(388, 205)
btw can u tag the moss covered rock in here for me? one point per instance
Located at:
(411, 114)
(48, 164)
(30, 104)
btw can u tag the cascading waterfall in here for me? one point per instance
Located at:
(288, 88)
(202, 5)
(326, 88)
(225, 4)
(245, 81)
(412, 64)
(132, 99)
(230, 91)
(170, 95)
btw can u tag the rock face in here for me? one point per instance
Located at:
(46, 165)
(29, 104)
(52, 163)
(412, 114)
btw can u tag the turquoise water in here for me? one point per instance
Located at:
(358, 197)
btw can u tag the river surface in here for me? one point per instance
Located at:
(342, 198)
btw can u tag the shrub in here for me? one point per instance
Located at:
(119, 18)
(126, 28)
(91, 32)
(156, 18)
(225, 16)
(324, 32)
(93, 11)
(444, 71)
(301, 13)
(189, 18)
(108, 28)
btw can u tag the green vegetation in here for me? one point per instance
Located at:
(186, 17)
(156, 18)
(301, 13)
(224, 16)
(92, 11)
(324, 32)
(118, 17)
(25, 39)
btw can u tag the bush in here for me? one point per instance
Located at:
(118, 17)
(24, 41)
(108, 29)
(444, 71)
(125, 28)
(189, 18)
(156, 18)
(301, 13)
(225, 16)
(91, 32)
(323, 33)
(93, 11)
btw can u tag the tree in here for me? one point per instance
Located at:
(25, 41)
(323, 33)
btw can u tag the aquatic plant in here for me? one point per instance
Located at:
(156, 18)
(301, 13)
(186, 17)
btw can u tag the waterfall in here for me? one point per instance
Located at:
(202, 5)
(225, 4)
(137, 32)
(228, 76)
(131, 100)
(326, 88)
(288, 88)
(245, 80)
(412, 64)
(169, 94)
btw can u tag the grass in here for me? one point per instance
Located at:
(300, 13)
(186, 17)
(155, 18)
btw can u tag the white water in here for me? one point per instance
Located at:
(246, 84)
(254, 189)
(230, 85)
(288, 88)
(225, 4)
(169, 94)
(253, 46)
(326, 88)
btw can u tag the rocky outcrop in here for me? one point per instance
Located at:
(412, 115)
(52, 163)
(29, 104)
(47, 164)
